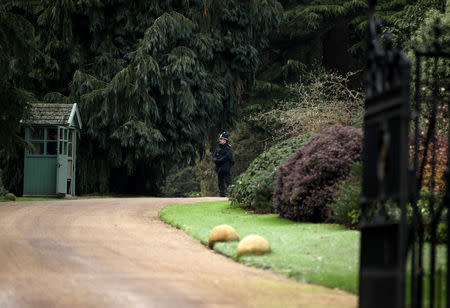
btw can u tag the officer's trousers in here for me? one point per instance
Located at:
(224, 179)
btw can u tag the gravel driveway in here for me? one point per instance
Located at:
(118, 253)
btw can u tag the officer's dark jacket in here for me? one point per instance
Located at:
(223, 158)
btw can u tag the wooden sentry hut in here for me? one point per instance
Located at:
(49, 169)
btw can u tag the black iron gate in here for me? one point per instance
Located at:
(431, 193)
(405, 193)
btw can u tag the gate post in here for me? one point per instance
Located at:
(385, 184)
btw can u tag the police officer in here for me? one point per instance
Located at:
(223, 158)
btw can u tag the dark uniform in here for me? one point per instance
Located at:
(223, 158)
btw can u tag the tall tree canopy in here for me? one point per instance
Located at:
(334, 32)
(155, 79)
(151, 78)
(17, 53)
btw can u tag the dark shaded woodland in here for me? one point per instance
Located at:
(156, 80)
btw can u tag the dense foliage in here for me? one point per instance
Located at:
(311, 177)
(181, 182)
(425, 39)
(182, 77)
(329, 33)
(254, 188)
(322, 33)
(156, 80)
(248, 142)
(346, 208)
(426, 199)
(151, 78)
(334, 31)
(17, 53)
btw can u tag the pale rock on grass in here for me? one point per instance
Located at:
(253, 244)
(222, 233)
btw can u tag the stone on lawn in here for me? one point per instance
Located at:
(10, 197)
(222, 233)
(253, 244)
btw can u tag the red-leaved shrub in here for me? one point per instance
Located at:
(310, 179)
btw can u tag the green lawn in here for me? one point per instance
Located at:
(18, 199)
(89, 196)
(324, 254)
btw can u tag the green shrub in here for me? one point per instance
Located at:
(248, 142)
(254, 187)
(206, 175)
(346, 210)
(181, 182)
(424, 207)
(264, 183)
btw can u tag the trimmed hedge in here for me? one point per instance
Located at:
(254, 187)
(312, 176)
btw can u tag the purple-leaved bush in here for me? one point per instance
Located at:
(310, 179)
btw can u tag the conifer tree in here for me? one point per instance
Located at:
(17, 52)
(304, 18)
(333, 33)
(151, 78)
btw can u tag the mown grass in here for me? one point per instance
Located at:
(324, 254)
(19, 199)
(82, 197)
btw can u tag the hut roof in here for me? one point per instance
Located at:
(54, 114)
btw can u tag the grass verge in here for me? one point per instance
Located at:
(82, 197)
(324, 254)
(19, 199)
